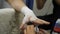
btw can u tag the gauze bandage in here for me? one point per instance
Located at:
(29, 13)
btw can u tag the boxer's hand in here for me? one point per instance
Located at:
(30, 17)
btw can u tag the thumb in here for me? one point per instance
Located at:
(23, 25)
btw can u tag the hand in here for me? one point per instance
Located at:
(30, 17)
(33, 19)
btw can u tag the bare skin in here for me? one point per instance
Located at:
(40, 3)
(57, 1)
(16, 4)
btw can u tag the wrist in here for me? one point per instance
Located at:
(26, 11)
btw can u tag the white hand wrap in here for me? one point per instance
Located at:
(29, 13)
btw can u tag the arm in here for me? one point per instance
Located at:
(16, 4)
(40, 3)
(20, 6)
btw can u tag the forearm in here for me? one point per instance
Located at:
(16, 4)
(21, 7)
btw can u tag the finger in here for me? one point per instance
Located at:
(22, 26)
(25, 32)
(45, 22)
(25, 20)
(39, 21)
